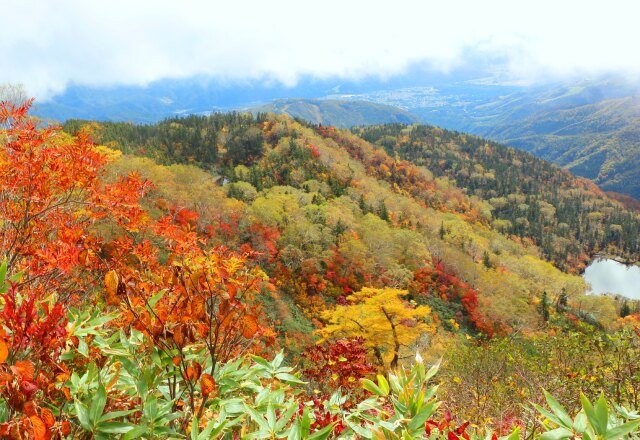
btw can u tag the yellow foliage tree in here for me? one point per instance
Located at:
(383, 318)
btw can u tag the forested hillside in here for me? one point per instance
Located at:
(332, 214)
(596, 140)
(568, 217)
(153, 277)
(589, 126)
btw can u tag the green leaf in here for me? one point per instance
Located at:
(97, 404)
(383, 384)
(136, 432)
(3, 271)
(286, 377)
(277, 360)
(580, 422)
(155, 298)
(271, 417)
(548, 414)
(114, 427)
(83, 348)
(261, 361)
(602, 413)
(259, 435)
(322, 434)
(591, 414)
(562, 416)
(395, 384)
(115, 414)
(305, 423)
(16, 277)
(150, 409)
(372, 387)
(515, 435)
(114, 352)
(362, 432)
(195, 429)
(233, 406)
(211, 430)
(83, 416)
(556, 434)
(286, 416)
(432, 371)
(294, 432)
(257, 417)
(622, 430)
(417, 422)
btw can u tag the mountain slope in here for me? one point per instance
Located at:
(339, 113)
(330, 212)
(590, 127)
(600, 141)
(569, 218)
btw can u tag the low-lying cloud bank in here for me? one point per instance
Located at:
(47, 45)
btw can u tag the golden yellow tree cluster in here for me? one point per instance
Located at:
(384, 318)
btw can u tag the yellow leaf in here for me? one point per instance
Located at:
(111, 282)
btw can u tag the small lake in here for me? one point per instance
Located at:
(609, 276)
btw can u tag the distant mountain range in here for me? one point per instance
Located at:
(600, 141)
(591, 127)
(201, 95)
(343, 114)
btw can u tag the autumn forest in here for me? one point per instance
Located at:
(246, 276)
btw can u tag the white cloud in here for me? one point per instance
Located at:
(48, 44)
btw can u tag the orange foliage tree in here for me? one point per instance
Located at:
(62, 228)
(50, 193)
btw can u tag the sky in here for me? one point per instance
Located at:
(47, 45)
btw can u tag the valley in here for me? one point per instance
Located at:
(376, 243)
(336, 221)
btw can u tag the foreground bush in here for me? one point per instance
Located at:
(120, 388)
(488, 381)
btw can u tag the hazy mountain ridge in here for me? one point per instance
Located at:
(166, 98)
(343, 114)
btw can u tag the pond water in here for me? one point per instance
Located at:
(609, 276)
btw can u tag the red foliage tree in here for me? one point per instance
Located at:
(437, 282)
(339, 364)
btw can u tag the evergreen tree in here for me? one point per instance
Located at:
(544, 307)
(363, 205)
(625, 310)
(383, 213)
(486, 260)
(562, 300)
